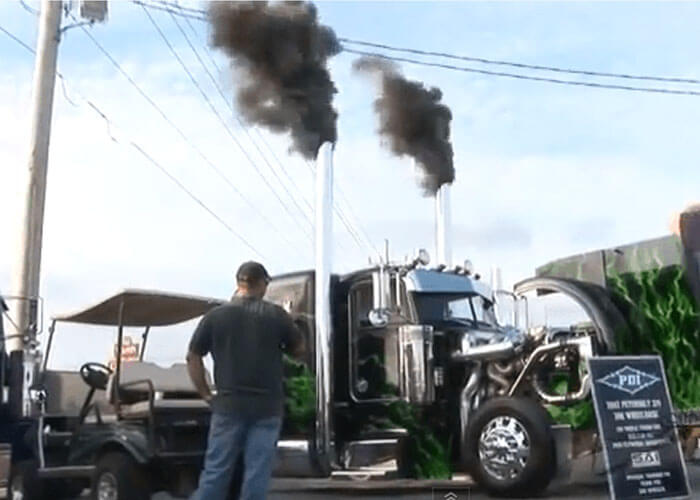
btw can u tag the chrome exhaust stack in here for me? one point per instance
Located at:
(323, 340)
(443, 226)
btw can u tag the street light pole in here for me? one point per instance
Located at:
(26, 277)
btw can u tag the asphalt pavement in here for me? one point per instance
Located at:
(585, 484)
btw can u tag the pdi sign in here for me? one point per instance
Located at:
(635, 419)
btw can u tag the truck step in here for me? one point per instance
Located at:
(362, 474)
(74, 471)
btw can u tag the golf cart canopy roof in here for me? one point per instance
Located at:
(143, 308)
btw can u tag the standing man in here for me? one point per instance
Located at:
(246, 338)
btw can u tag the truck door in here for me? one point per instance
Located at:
(294, 293)
(373, 350)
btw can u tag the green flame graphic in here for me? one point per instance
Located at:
(664, 319)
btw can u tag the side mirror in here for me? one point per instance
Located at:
(37, 395)
(378, 317)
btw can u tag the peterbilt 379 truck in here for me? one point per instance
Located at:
(400, 350)
(428, 339)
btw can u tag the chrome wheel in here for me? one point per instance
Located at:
(504, 448)
(107, 487)
(16, 489)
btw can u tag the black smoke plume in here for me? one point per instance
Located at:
(414, 121)
(279, 51)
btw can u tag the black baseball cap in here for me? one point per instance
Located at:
(252, 272)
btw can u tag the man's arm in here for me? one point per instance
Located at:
(200, 345)
(299, 347)
(294, 338)
(195, 367)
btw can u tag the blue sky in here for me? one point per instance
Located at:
(543, 170)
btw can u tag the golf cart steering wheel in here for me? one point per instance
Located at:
(96, 375)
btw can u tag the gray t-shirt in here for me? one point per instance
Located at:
(246, 338)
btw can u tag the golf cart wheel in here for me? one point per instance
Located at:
(509, 447)
(24, 482)
(118, 477)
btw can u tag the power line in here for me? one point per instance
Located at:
(177, 10)
(240, 122)
(180, 7)
(218, 115)
(520, 65)
(133, 83)
(348, 225)
(195, 198)
(140, 149)
(201, 15)
(226, 100)
(351, 231)
(368, 242)
(29, 9)
(344, 219)
(173, 125)
(13, 37)
(524, 77)
(337, 208)
(206, 49)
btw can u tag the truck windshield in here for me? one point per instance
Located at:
(433, 308)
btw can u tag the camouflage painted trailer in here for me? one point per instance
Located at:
(647, 296)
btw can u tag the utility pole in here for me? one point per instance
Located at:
(26, 277)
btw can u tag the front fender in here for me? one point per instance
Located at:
(92, 442)
(593, 299)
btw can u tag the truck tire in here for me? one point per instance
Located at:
(24, 482)
(118, 477)
(509, 447)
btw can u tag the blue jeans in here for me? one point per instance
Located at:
(229, 437)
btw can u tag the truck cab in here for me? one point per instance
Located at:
(393, 331)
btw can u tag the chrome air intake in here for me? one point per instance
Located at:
(416, 364)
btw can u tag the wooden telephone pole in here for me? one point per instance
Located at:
(26, 276)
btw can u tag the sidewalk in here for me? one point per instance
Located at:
(585, 484)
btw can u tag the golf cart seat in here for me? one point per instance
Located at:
(143, 409)
(66, 393)
(146, 387)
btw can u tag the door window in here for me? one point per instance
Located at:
(374, 363)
